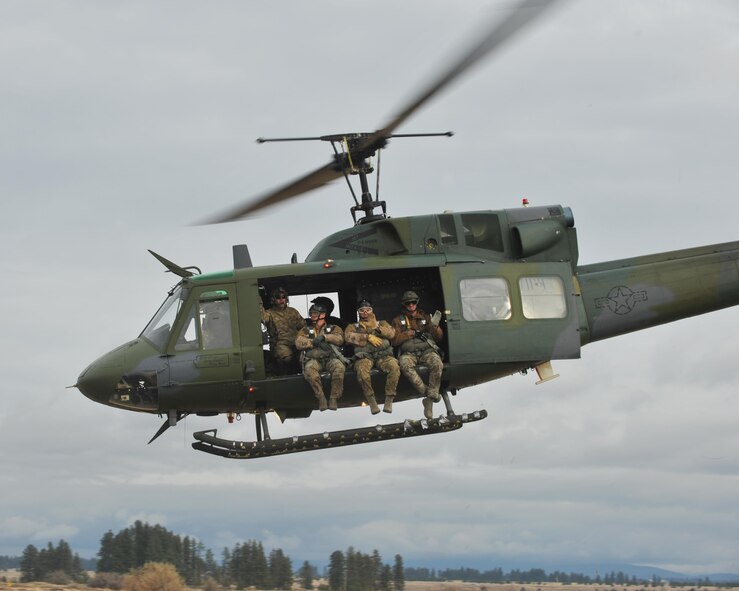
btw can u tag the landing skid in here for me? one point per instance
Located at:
(243, 450)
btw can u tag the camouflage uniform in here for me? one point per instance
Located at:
(368, 356)
(320, 356)
(415, 350)
(282, 327)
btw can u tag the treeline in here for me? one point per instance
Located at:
(355, 571)
(141, 543)
(534, 575)
(55, 564)
(7, 562)
(248, 565)
(496, 575)
(244, 565)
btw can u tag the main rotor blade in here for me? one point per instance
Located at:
(500, 31)
(311, 181)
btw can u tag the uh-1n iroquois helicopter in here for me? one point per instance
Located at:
(507, 282)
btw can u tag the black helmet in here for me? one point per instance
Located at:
(319, 308)
(409, 296)
(364, 304)
(325, 302)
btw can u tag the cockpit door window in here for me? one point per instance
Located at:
(208, 324)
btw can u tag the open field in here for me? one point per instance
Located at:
(9, 580)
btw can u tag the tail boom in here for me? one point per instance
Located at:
(631, 294)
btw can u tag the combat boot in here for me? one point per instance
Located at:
(373, 405)
(322, 405)
(428, 408)
(388, 407)
(435, 396)
(333, 403)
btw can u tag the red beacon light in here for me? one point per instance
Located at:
(525, 202)
(328, 264)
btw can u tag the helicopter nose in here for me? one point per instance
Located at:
(98, 380)
(126, 377)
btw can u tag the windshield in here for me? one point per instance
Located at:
(159, 327)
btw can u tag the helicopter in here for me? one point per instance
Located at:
(507, 282)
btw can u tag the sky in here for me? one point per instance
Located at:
(123, 124)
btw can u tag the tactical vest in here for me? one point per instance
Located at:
(370, 352)
(318, 352)
(415, 345)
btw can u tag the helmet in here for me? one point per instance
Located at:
(364, 304)
(319, 308)
(278, 292)
(409, 296)
(325, 302)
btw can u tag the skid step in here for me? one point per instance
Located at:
(243, 450)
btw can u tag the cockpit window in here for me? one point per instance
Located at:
(159, 327)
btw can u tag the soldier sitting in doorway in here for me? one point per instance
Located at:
(371, 341)
(283, 324)
(320, 344)
(416, 336)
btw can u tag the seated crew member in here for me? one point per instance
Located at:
(283, 324)
(320, 344)
(416, 335)
(372, 348)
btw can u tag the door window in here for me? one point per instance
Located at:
(485, 299)
(543, 297)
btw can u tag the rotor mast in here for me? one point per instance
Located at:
(352, 154)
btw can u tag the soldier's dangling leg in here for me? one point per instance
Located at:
(432, 360)
(389, 365)
(407, 363)
(337, 369)
(311, 372)
(363, 368)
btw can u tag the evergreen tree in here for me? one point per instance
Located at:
(376, 567)
(30, 564)
(336, 571)
(124, 558)
(385, 581)
(261, 568)
(280, 570)
(306, 575)
(105, 554)
(226, 569)
(398, 574)
(211, 567)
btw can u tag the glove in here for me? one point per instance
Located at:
(319, 339)
(374, 341)
(436, 318)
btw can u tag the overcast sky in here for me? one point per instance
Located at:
(124, 123)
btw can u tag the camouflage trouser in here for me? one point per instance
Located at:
(311, 372)
(430, 359)
(284, 356)
(387, 364)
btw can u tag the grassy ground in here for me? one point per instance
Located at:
(9, 582)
